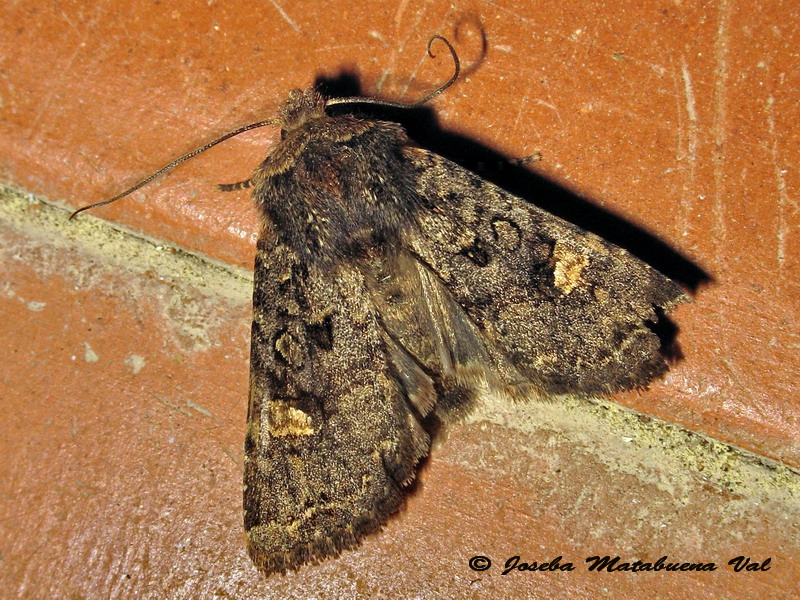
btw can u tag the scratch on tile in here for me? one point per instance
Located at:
(732, 370)
(196, 407)
(172, 405)
(783, 196)
(690, 103)
(610, 108)
(72, 25)
(720, 117)
(519, 115)
(286, 17)
(231, 455)
(693, 136)
(396, 48)
(398, 15)
(553, 107)
(688, 139)
(45, 105)
(423, 59)
(679, 130)
(381, 81)
(335, 47)
(503, 8)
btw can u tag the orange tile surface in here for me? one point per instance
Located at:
(665, 127)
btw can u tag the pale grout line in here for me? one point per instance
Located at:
(115, 243)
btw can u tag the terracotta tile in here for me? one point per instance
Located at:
(122, 457)
(666, 128)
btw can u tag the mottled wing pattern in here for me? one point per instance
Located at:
(333, 434)
(567, 309)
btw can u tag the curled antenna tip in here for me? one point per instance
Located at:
(438, 37)
(456, 66)
(436, 92)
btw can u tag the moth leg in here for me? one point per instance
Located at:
(231, 187)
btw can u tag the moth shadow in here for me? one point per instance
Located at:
(422, 125)
(511, 175)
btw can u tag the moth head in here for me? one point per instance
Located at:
(300, 108)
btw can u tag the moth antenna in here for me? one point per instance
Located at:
(175, 162)
(436, 92)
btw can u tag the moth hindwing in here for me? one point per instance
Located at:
(390, 284)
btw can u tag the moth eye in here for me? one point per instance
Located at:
(283, 134)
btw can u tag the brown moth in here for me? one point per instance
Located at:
(392, 284)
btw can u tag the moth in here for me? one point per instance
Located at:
(391, 285)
